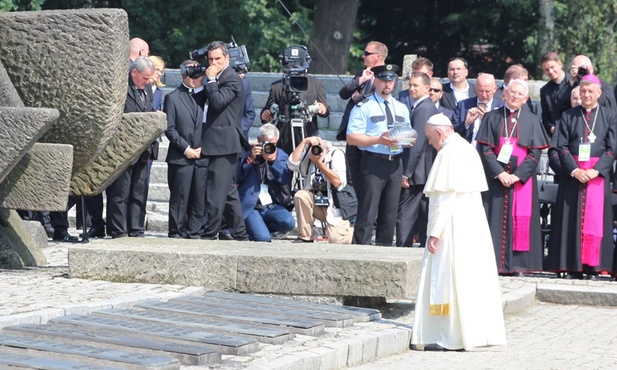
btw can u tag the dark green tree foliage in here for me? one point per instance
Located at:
(175, 29)
(490, 34)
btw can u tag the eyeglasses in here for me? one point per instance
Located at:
(367, 53)
(432, 89)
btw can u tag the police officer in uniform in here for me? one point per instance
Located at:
(369, 129)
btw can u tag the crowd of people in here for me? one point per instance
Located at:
(223, 187)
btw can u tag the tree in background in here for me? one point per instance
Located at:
(490, 34)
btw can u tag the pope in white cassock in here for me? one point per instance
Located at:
(458, 306)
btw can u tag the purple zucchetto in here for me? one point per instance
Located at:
(592, 78)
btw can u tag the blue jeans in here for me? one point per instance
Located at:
(269, 219)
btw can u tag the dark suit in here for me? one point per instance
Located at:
(417, 162)
(448, 100)
(353, 155)
(249, 108)
(220, 147)
(127, 196)
(460, 113)
(445, 111)
(314, 92)
(554, 100)
(187, 180)
(405, 98)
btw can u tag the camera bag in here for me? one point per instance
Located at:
(345, 199)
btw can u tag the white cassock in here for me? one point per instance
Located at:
(459, 297)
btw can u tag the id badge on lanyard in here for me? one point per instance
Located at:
(505, 153)
(584, 152)
(264, 195)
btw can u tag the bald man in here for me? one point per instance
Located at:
(468, 113)
(138, 48)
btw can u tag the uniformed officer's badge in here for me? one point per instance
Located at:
(389, 67)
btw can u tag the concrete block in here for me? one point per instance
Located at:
(162, 262)
(21, 128)
(391, 341)
(331, 272)
(40, 181)
(577, 295)
(274, 268)
(369, 347)
(517, 300)
(45, 57)
(17, 241)
(135, 133)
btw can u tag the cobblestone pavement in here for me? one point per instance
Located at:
(542, 336)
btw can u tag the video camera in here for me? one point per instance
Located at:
(295, 110)
(238, 60)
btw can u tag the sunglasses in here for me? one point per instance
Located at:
(434, 90)
(367, 53)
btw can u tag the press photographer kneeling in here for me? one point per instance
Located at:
(263, 179)
(322, 168)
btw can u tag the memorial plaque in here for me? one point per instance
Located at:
(261, 334)
(226, 344)
(24, 361)
(360, 314)
(330, 319)
(187, 354)
(89, 354)
(294, 325)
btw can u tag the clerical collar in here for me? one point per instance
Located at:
(190, 89)
(510, 109)
(589, 110)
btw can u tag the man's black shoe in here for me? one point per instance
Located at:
(300, 240)
(225, 236)
(65, 237)
(574, 275)
(49, 231)
(117, 236)
(434, 347)
(94, 233)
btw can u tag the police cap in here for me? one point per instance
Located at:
(386, 72)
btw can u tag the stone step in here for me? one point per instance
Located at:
(87, 354)
(226, 344)
(187, 355)
(261, 334)
(27, 361)
(280, 267)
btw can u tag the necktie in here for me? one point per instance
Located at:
(388, 113)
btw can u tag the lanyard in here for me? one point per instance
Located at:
(591, 136)
(505, 119)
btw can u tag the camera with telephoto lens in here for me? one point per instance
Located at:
(316, 150)
(320, 191)
(582, 71)
(238, 59)
(268, 147)
(193, 71)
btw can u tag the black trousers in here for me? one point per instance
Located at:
(222, 198)
(187, 186)
(378, 200)
(412, 216)
(353, 157)
(126, 201)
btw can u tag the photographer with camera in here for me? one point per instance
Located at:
(262, 176)
(322, 168)
(581, 66)
(295, 99)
